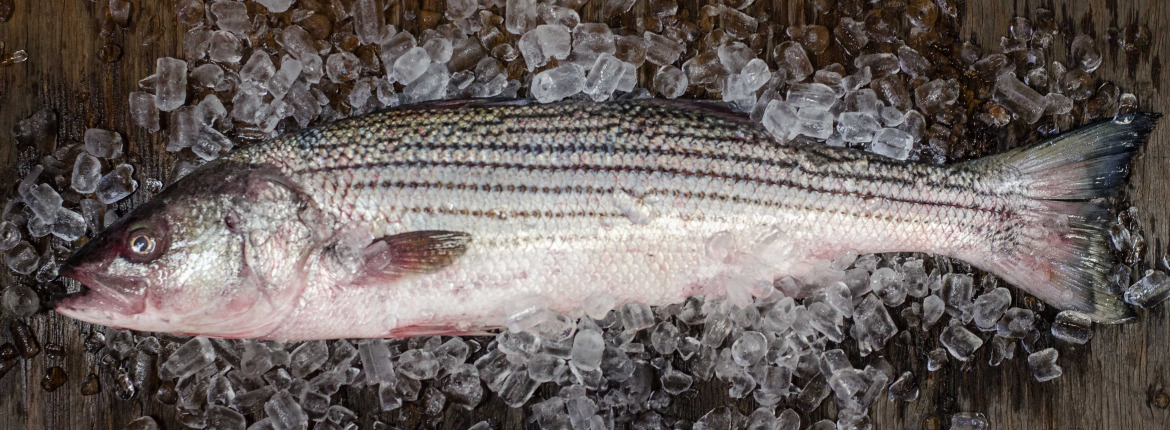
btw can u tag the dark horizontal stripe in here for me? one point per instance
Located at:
(672, 172)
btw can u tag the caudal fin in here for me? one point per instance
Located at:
(1057, 245)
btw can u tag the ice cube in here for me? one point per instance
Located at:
(749, 348)
(103, 143)
(220, 417)
(343, 66)
(814, 123)
(231, 16)
(705, 69)
(636, 317)
(376, 365)
(670, 82)
(1085, 53)
(839, 297)
(590, 40)
(143, 111)
(873, 325)
(171, 85)
(662, 50)
(208, 75)
(520, 15)
(1019, 98)
(22, 301)
(460, 9)
(1001, 349)
(780, 119)
(1072, 327)
(9, 235)
(792, 57)
(857, 126)
(257, 71)
(431, 86)
(517, 389)
(307, 358)
(1150, 290)
(367, 22)
(286, 412)
(117, 184)
(438, 49)
(410, 65)
(969, 421)
(604, 76)
(990, 306)
(1015, 323)
(44, 202)
(558, 83)
(736, 23)
(189, 358)
(256, 359)
(418, 364)
(815, 95)
(22, 258)
(879, 64)
(664, 338)
(1043, 365)
(960, 342)
(69, 225)
(87, 170)
(932, 97)
(936, 359)
(543, 43)
(588, 346)
(282, 80)
(224, 47)
(826, 320)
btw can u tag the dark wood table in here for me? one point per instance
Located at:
(1118, 380)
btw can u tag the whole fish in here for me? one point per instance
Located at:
(447, 218)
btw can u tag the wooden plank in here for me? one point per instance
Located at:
(1110, 383)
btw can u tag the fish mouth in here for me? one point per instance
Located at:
(100, 296)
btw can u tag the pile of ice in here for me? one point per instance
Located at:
(252, 71)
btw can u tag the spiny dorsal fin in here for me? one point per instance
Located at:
(416, 252)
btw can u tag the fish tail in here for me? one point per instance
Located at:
(1056, 246)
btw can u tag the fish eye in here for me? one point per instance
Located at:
(141, 242)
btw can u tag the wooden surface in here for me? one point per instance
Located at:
(1112, 382)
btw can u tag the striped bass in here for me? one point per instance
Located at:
(446, 218)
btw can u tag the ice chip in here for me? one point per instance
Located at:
(171, 85)
(367, 22)
(276, 6)
(544, 43)
(670, 82)
(588, 347)
(69, 225)
(959, 341)
(143, 110)
(857, 127)
(1072, 327)
(307, 358)
(418, 364)
(969, 421)
(558, 83)
(1043, 365)
(814, 123)
(662, 50)
(190, 358)
(286, 412)
(1019, 98)
(636, 317)
(893, 143)
(990, 306)
(376, 365)
(590, 40)
(117, 184)
(103, 143)
(343, 66)
(410, 65)
(281, 81)
(22, 258)
(431, 86)
(21, 300)
(224, 47)
(814, 95)
(604, 76)
(1015, 323)
(1150, 290)
(44, 202)
(87, 170)
(749, 348)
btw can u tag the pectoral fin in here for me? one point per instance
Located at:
(416, 252)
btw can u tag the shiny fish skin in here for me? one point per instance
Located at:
(563, 201)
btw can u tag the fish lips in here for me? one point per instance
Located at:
(100, 295)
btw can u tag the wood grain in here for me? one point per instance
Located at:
(1110, 383)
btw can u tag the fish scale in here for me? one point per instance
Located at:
(446, 218)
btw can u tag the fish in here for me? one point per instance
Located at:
(447, 218)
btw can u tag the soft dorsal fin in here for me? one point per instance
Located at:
(416, 252)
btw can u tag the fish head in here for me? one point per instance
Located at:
(219, 253)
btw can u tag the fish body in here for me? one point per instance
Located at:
(447, 218)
